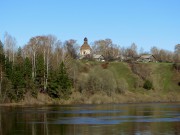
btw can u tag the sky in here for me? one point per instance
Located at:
(146, 23)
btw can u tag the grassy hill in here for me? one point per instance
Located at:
(162, 75)
(165, 78)
(119, 82)
(122, 70)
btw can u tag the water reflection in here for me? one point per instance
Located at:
(91, 119)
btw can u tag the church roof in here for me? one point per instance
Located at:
(85, 45)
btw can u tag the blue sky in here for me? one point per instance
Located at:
(145, 22)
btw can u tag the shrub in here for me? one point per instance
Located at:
(82, 82)
(122, 86)
(148, 85)
(97, 80)
(105, 65)
(176, 66)
(138, 83)
(102, 80)
(142, 70)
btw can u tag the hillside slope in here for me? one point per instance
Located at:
(162, 75)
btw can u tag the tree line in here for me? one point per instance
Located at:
(112, 51)
(39, 66)
(47, 65)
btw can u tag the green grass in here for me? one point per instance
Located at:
(162, 73)
(121, 70)
(166, 74)
(164, 78)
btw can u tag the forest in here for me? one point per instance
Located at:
(49, 66)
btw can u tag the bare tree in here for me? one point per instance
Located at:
(1, 66)
(177, 53)
(101, 47)
(155, 52)
(130, 53)
(162, 55)
(132, 50)
(43, 45)
(106, 48)
(70, 46)
(177, 49)
(51, 41)
(32, 48)
(58, 54)
(9, 46)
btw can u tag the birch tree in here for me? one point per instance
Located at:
(1, 66)
(58, 53)
(9, 46)
(33, 46)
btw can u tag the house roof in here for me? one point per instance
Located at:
(146, 56)
(97, 56)
(85, 46)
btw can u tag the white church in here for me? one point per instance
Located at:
(86, 52)
(85, 48)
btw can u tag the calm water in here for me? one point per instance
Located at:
(112, 119)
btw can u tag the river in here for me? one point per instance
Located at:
(109, 119)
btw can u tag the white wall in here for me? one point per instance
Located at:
(87, 51)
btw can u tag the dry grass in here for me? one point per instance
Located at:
(101, 98)
(40, 100)
(128, 97)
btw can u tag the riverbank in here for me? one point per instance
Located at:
(117, 83)
(100, 98)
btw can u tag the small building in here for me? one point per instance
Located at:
(85, 48)
(98, 57)
(147, 58)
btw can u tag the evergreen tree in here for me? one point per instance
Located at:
(29, 84)
(148, 85)
(60, 85)
(39, 80)
(17, 79)
(18, 83)
(27, 70)
(8, 68)
(2, 56)
(2, 63)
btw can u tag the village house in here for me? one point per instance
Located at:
(98, 57)
(147, 58)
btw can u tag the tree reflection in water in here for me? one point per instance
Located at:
(91, 119)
